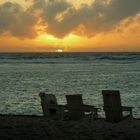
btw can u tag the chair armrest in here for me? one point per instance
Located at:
(90, 107)
(93, 110)
(127, 108)
(57, 106)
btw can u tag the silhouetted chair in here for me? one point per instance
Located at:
(113, 108)
(50, 107)
(77, 110)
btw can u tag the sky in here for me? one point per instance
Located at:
(69, 25)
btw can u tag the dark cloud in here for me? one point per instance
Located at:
(98, 17)
(62, 18)
(15, 20)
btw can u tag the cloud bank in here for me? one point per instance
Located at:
(61, 17)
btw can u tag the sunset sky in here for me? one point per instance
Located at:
(69, 25)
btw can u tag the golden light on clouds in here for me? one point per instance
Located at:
(50, 40)
(77, 3)
(60, 16)
(69, 25)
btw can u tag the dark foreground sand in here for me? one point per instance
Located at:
(37, 128)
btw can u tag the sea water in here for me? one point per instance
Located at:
(24, 75)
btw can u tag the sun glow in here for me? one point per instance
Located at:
(59, 50)
(60, 44)
(50, 38)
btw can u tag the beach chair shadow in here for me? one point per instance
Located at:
(113, 108)
(51, 109)
(77, 110)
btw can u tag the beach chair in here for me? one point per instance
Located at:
(113, 108)
(77, 110)
(50, 107)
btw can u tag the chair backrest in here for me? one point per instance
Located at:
(75, 106)
(112, 105)
(46, 101)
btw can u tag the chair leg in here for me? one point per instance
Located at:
(131, 115)
(62, 114)
(94, 115)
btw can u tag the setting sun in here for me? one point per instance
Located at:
(59, 50)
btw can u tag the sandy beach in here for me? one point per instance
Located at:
(37, 128)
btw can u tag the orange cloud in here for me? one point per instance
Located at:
(61, 18)
(109, 25)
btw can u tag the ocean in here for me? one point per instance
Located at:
(24, 75)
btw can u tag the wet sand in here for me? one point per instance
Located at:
(37, 128)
